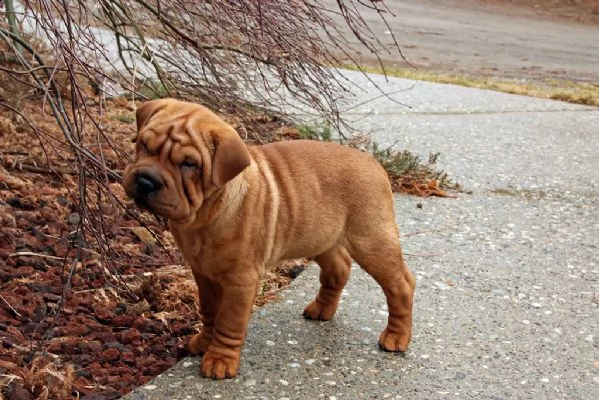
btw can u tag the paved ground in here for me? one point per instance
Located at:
(508, 276)
(489, 38)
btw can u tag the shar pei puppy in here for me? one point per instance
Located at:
(237, 210)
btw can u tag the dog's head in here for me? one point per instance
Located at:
(183, 154)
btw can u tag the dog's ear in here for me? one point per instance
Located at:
(146, 111)
(231, 156)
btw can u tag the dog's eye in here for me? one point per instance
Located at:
(142, 147)
(188, 164)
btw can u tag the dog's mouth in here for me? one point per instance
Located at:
(142, 202)
(149, 203)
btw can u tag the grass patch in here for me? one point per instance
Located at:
(127, 118)
(316, 132)
(154, 90)
(410, 174)
(568, 91)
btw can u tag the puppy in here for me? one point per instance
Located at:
(237, 210)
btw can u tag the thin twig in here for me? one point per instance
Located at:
(32, 254)
(11, 307)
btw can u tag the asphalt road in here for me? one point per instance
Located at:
(469, 37)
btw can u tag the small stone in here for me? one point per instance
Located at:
(150, 387)
(270, 343)
(73, 218)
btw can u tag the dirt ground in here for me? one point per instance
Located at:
(520, 40)
(120, 326)
(582, 11)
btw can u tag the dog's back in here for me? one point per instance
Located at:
(327, 188)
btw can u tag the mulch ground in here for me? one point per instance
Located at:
(73, 324)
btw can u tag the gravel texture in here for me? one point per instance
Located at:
(507, 303)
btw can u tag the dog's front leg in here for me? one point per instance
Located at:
(210, 296)
(238, 292)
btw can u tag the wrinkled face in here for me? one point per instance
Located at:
(183, 154)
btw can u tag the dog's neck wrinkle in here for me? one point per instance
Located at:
(217, 209)
(270, 190)
(227, 201)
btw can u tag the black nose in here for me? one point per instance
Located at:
(147, 183)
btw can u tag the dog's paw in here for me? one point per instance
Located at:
(394, 342)
(199, 343)
(319, 312)
(219, 366)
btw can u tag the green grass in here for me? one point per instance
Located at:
(402, 162)
(568, 91)
(127, 118)
(154, 90)
(410, 173)
(316, 132)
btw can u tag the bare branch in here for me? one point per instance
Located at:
(234, 56)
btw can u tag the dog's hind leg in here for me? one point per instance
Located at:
(335, 266)
(382, 258)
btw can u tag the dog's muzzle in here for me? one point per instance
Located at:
(143, 185)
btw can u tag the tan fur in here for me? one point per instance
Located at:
(240, 210)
